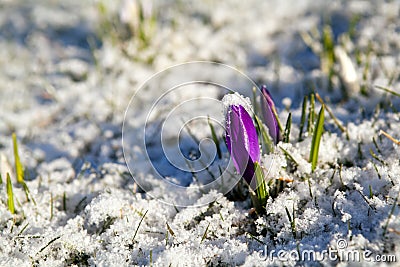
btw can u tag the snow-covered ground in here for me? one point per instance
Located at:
(72, 71)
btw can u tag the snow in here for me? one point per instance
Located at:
(237, 99)
(74, 79)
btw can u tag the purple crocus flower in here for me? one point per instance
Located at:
(267, 110)
(242, 141)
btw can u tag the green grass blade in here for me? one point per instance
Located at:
(303, 116)
(309, 187)
(205, 234)
(28, 194)
(390, 215)
(364, 90)
(319, 128)
(170, 230)
(311, 114)
(151, 258)
(335, 120)
(1, 179)
(195, 139)
(328, 48)
(137, 229)
(377, 171)
(48, 244)
(288, 156)
(51, 207)
(371, 152)
(277, 119)
(215, 138)
(265, 138)
(18, 166)
(262, 192)
(255, 238)
(288, 214)
(64, 201)
(286, 134)
(371, 195)
(255, 201)
(23, 229)
(391, 138)
(376, 145)
(388, 90)
(10, 194)
(292, 222)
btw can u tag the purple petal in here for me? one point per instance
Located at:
(269, 119)
(242, 141)
(248, 173)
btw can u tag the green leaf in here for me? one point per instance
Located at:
(266, 140)
(328, 47)
(303, 116)
(255, 201)
(10, 194)
(319, 128)
(286, 134)
(262, 191)
(18, 166)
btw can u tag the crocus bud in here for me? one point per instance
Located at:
(268, 114)
(242, 141)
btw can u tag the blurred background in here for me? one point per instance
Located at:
(69, 68)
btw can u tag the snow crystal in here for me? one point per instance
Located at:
(237, 99)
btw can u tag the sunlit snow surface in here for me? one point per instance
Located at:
(66, 83)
